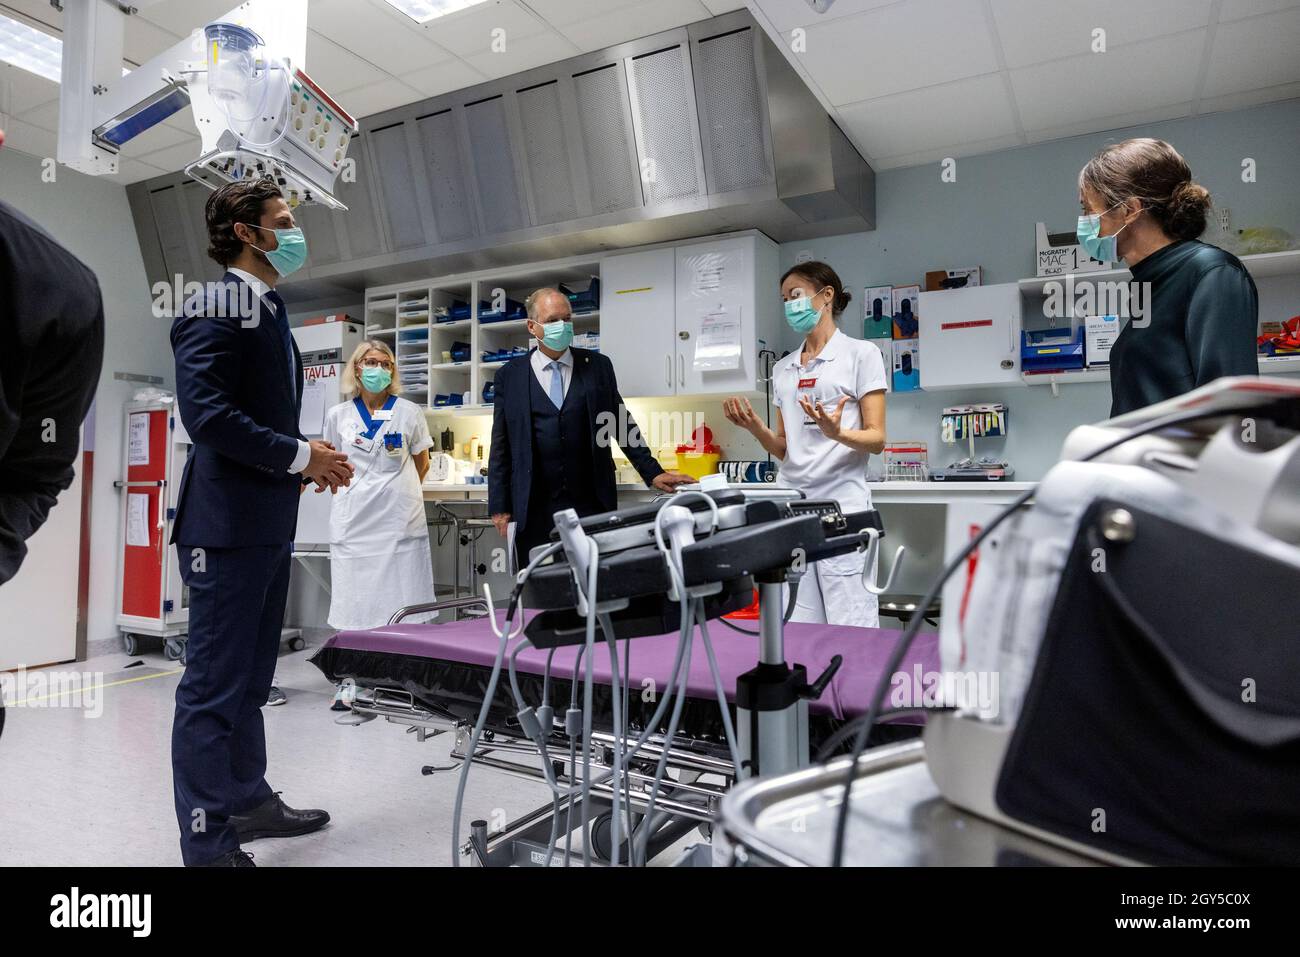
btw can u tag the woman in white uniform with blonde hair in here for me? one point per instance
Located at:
(379, 539)
(830, 396)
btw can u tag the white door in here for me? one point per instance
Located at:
(970, 337)
(636, 321)
(715, 317)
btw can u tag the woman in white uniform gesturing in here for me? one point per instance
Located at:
(830, 396)
(379, 538)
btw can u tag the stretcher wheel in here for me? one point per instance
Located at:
(132, 645)
(297, 644)
(174, 649)
(600, 835)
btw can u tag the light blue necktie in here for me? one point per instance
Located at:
(557, 383)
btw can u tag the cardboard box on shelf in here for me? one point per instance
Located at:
(1058, 254)
(878, 312)
(938, 279)
(907, 301)
(907, 365)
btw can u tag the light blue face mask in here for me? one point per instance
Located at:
(801, 315)
(376, 379)
(557, 335)
(1098, 247)
(290, 252)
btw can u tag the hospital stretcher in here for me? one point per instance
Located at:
(432, 678)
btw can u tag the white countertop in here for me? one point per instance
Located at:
(884, 491)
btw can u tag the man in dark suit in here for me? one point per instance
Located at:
(239, 387)
(52, 346)
(555, 412)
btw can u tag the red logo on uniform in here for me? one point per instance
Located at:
(807, 383)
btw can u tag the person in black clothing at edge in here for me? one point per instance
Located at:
(1201, 318)
(51, 350)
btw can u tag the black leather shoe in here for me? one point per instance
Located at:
(235, 858)
(274, 818)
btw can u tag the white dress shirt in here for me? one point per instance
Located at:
(260, 289)
(541, 368)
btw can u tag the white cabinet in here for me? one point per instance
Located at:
(970, 337)
(636, 323)
(660, 305)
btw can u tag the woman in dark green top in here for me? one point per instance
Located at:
(1201, 314)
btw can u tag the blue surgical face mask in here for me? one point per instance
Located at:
(1098, 247)
(290, 251)
(376, 379)
(801, 315)
(557, 335)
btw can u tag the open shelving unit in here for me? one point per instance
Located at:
(407, 315)
(1278, 265)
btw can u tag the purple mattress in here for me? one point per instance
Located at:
(377, 655)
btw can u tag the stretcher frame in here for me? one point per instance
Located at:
(684, 803)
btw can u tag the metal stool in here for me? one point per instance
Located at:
(903, 607)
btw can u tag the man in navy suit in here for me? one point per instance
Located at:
(239, 387)
(554, 413)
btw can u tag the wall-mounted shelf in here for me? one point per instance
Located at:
(1259, 265)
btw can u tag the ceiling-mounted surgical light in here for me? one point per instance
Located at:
(422, 11)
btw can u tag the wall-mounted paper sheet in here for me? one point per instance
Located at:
(718, 344)
(137, 519)
(312, 418)
(138, 439)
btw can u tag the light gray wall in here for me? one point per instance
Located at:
(91, 218)
(986, 218)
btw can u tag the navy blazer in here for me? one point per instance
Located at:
(510, 459)
(241, 410)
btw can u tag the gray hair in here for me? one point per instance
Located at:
(537, 295)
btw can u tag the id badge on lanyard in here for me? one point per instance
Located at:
(807, 389)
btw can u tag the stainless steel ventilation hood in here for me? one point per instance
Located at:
(698, 130)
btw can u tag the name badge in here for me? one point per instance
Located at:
(363, 443)
(383, 415)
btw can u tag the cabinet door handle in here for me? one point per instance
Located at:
(668, 369)
(681, 370)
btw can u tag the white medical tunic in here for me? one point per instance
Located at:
(379, 539)
(831, 591)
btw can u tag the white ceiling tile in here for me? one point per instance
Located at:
(1033, 31)
(143, 40)
(1142, 76)
(1251, 54)
(377, 97)
(334, 68)
(21, 91)
(897, 48)
(973, 148)
(175, 158)
(1236, 9)
(719, 7)
(631, 23)
(377, 32)
(470, 32)
(785, 15)
(1239, 101)
(132, 171)
(45, 116)
(183, 17)
(26, 138)
(563, 12)
(1117, 123)
(453, 74)
(938, 116)
(523, 55)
